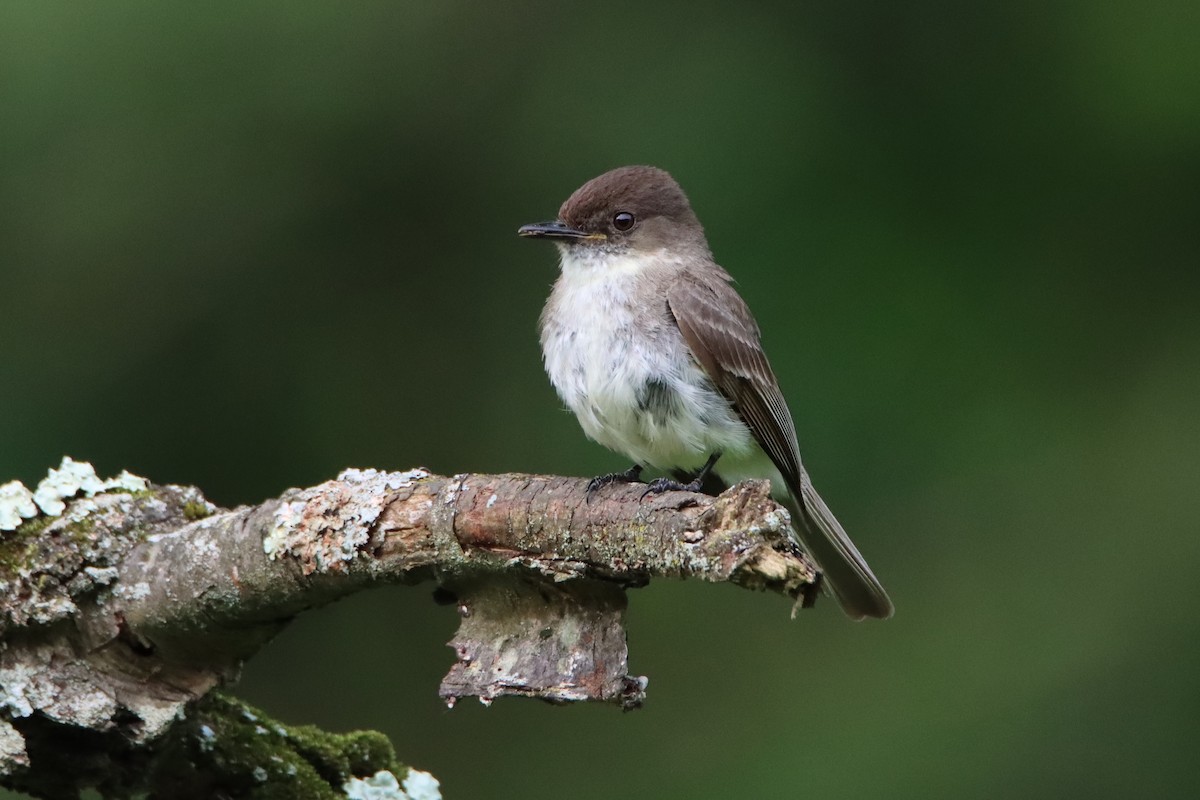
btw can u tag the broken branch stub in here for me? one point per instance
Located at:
(560, 642)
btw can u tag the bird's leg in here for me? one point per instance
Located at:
(660, 485)
(631, 475)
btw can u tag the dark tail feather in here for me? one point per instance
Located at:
(845, 570)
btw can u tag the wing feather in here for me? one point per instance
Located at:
(724, 338)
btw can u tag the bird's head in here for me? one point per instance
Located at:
(625, 211)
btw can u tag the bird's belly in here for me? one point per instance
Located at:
(638, 397)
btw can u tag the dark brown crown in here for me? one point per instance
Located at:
(645, 192)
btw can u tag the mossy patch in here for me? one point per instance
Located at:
(194, 510)
(17, 546)
(225, 748)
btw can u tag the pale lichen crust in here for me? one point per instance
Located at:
(72, 478)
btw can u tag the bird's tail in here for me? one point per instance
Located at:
(845, 570)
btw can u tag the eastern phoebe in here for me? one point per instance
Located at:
(648, 343)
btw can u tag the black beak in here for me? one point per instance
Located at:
(551, 230)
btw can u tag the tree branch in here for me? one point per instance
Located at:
(134, 602)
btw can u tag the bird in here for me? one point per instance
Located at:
(646, 340)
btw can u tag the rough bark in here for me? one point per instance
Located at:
(130, 605)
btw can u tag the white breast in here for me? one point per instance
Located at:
(620, 364)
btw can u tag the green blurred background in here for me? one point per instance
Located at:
(245, 246)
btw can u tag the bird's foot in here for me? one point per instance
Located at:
(631, 475)
(660, 485)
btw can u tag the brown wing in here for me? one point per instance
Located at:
(724, 338)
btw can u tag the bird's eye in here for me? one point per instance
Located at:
(623, 220)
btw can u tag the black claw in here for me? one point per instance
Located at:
(631, 475)
(660, 485)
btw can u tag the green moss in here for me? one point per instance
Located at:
(32, 526)
(194, 511)
(80, 529)
(24, 545)
(227, 748)
(17, 546)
